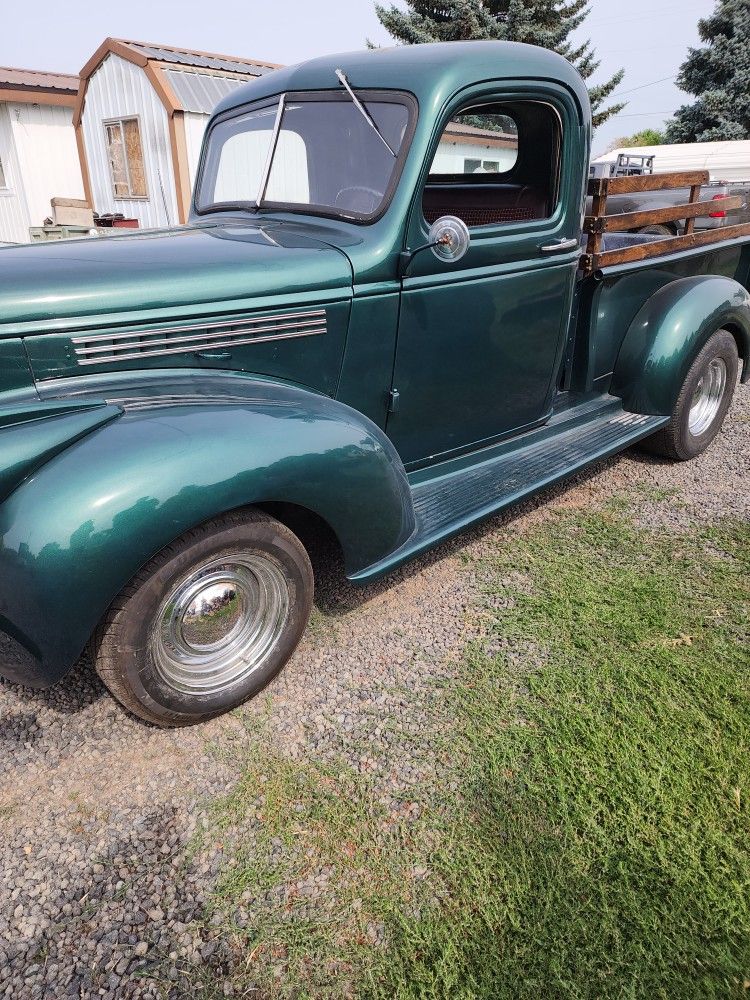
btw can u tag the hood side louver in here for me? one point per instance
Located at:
(109, 348)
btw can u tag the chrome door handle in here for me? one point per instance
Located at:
(561, 246)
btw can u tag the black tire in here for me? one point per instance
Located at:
(664, 231)
(676, 440)
(129, 651)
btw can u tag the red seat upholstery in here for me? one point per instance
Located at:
(484, 204)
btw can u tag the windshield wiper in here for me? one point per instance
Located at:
(364, 112)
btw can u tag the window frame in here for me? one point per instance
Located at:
(404, 98)
(120, 122)
(468, 105)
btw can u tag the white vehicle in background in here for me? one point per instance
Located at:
(728, 164)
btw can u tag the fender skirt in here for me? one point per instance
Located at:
(74, 533)
(667, 334)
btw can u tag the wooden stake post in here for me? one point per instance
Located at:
(599, 223)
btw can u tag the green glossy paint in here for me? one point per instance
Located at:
(102, 465)
(668, 332)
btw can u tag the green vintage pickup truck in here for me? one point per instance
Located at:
(381, 313)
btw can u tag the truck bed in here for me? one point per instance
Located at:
(610, 240)
(610, 297)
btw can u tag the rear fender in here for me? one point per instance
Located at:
(75, 533)
(667, 334)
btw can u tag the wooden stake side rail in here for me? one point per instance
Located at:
(647, 182)
(599, 223)
(659, 248)
(624, 221)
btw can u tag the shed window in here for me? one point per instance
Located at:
(126, 158)
(3, 183)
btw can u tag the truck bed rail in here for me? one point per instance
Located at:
(599, 223)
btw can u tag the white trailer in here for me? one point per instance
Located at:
(725, 161)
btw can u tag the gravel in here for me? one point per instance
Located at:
(101, 894)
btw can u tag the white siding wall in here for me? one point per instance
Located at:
(119, 89)
(47, 155)
(14, 218)
(450, 157)
(195, 126)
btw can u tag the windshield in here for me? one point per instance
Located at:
(310, 154)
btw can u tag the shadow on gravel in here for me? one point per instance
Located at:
(76, 691)
(19, 728)
(336, 596)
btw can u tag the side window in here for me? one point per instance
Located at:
(3, 183)
(496, 163)
(126, 158)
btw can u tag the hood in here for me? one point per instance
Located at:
(57, 285)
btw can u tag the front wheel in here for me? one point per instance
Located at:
(208, 622)
(703, 401)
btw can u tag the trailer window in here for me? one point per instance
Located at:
(126, 163)
(2, 176)
(496, 164)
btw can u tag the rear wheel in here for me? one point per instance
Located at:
(703, 401)
(208, 622)
(664, 231)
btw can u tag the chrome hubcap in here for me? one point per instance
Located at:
(220, 623)
(707, 397)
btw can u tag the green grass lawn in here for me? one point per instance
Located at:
(590, 835)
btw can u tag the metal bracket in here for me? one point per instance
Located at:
(595, 224)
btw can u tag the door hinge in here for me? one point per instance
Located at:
(393, 398)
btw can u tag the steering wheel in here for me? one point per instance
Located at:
(375, 197)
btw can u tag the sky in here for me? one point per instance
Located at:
(649, 40)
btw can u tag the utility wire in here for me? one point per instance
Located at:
(649, 16)
(643, 86)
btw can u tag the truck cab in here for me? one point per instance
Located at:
(379, 314)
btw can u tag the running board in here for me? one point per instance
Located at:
(448, 503)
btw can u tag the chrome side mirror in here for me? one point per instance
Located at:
(449, 238)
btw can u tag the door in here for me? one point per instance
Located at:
(480, 341)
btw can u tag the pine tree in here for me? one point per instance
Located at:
(718, 74)
(548, 23)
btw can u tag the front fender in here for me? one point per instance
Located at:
(667, 334)
(78, 530)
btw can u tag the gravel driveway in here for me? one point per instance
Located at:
(101, 896)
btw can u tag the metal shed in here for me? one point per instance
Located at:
(140, 116)
(38, 156)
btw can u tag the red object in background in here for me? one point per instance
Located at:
(718, 215)
(125, 224)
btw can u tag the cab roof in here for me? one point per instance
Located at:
(432, 72)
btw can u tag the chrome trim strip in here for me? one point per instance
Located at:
(271, 151)
(201, 338)
(194, 349)
(93, 338)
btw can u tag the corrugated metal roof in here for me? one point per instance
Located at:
(30, 78)
(200, 60)
(201, 92)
